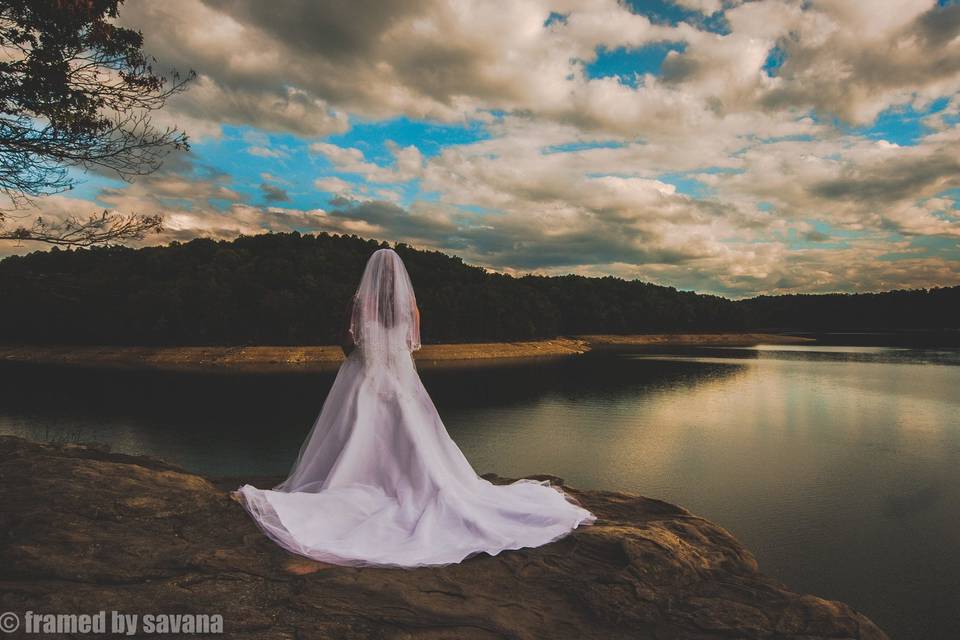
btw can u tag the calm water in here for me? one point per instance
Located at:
(839, 467)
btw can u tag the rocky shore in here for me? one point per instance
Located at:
(85, 530)
(266, 359)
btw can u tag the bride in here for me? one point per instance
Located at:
(378, 480)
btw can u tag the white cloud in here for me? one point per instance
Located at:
(408, 162)
(334, 185)
(304, 68)
(579, 173)
(707, 7)
(265, 152)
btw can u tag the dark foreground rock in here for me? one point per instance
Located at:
(85, 530)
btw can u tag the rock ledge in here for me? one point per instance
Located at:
(86, 530)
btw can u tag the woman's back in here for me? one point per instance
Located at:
(378, 480)
(384, 321)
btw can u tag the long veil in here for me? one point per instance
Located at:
(385, 327)
(378, 480)
(385, 318)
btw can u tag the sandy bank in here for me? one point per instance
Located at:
(265, 359)
(691, 339)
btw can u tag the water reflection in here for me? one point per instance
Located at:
(837, 466)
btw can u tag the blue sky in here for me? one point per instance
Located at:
(725, 147)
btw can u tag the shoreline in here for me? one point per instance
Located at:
(310, 359)
(84, 526)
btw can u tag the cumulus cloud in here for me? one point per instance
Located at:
(335, 185)
(304, 66)
(854, 184)
(407, 165)
(854, 60)
(707, 7)
(265, 152)
(729, 166)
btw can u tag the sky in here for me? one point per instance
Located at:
(728, 147)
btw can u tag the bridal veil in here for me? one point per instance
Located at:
(378, 481)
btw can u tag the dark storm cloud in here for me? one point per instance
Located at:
(892, 181)
(815, 236)
(395, 220)
(273, 193)
(350, 38)
(940, 25)
(342, 30)
(518, 242)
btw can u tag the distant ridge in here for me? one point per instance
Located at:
(292, 289)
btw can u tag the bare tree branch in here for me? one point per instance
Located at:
(99, 228)
(76, 90)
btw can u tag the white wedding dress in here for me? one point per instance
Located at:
(378, 480)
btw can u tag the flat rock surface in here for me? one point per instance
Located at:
(85, 530)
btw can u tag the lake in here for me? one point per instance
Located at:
(839, 467)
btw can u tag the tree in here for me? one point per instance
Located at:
(77, 90)
(97, 228)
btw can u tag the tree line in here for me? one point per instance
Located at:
(293, 289)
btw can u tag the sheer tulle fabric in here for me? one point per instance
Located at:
(384, 319)
(378, 480)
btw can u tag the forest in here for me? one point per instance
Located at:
(293, 289)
